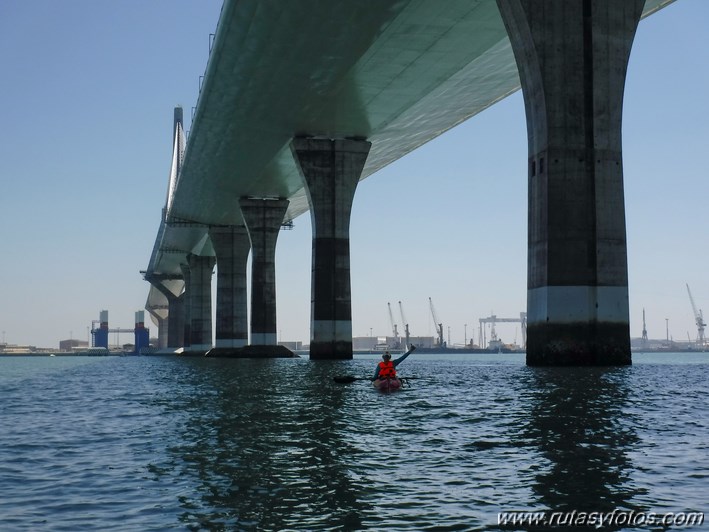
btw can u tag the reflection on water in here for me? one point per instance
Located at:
(153, 443)
(579, 426)
(266, 447)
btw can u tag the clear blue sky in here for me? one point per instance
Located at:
(88, 89)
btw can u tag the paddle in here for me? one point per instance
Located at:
(347, 379)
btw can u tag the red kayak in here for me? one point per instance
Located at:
(387, 385)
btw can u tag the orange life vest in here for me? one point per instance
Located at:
(386, 370)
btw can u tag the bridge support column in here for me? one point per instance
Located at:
(176, 321)
(263, 220)
(231, 245)
(572, 59)
(171, 330)
(331, 170)
(186, 308)
(162, 327)
(199, 303)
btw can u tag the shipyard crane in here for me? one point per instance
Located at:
(393, 327)
(405, 324)
(438, 324)
(644, 339)
(699, 319)
(493, 319)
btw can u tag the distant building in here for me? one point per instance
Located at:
(366, 343)
(393, 343)
(72, 345)
(17, 349)
(423, 341)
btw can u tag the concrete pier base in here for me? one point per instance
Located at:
(252, 351)
(191, 352)
(263, 218)
(331, 170)
(585, 326)
(578, 344)
(572, 58)
(200, 303)
(231, 245)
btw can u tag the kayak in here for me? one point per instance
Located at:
(387, 385)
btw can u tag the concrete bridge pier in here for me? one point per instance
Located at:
(162, 327)
(162, 331)
(171, 329)
(186, 307)
(175, 320)
(331, 169)
(263, 218)
(231, 245)
(198, 310)
(572, 59)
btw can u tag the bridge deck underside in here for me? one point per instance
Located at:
(396, 72)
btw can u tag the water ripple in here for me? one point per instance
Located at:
(200, 444)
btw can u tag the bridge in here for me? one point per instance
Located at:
(301, 100)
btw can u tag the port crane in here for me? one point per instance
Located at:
(699, 319)
(437, 323)
(644, 339)
(493, 319)
(394, 329)
(405, 324)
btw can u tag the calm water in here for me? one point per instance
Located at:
(164, 443)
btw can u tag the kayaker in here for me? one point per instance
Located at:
(386, 369)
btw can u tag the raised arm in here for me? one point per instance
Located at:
(402, 357)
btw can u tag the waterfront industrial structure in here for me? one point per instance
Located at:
(141, 334)
(302, 100)
(492, 320)
(438, 343)
(72, 344)
(699, 321)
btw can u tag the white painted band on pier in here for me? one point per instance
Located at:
(331, 330)
(570, 304)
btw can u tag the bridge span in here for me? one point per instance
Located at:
(301, 100)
